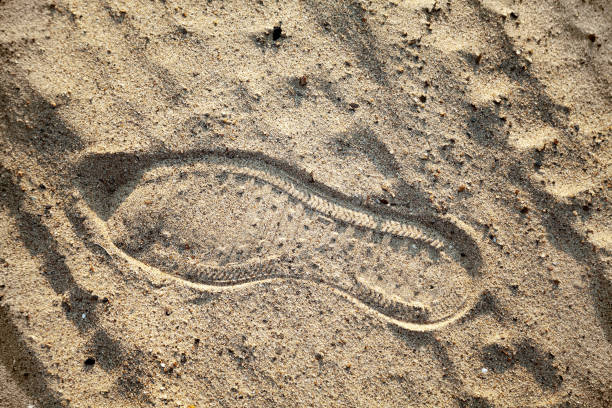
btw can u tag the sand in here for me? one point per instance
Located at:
(311, 203)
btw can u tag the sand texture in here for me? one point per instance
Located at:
(305, 203)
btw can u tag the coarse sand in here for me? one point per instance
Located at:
(305, 203)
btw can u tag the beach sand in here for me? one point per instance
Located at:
(309, 203)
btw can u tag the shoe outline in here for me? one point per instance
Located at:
(430, 230)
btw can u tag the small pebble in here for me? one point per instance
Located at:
(277, 32)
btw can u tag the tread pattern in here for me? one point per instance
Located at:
(329, 208)
(259, 180)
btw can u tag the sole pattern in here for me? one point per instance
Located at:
(220, 221)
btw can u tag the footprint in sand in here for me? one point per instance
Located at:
(223, 220)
